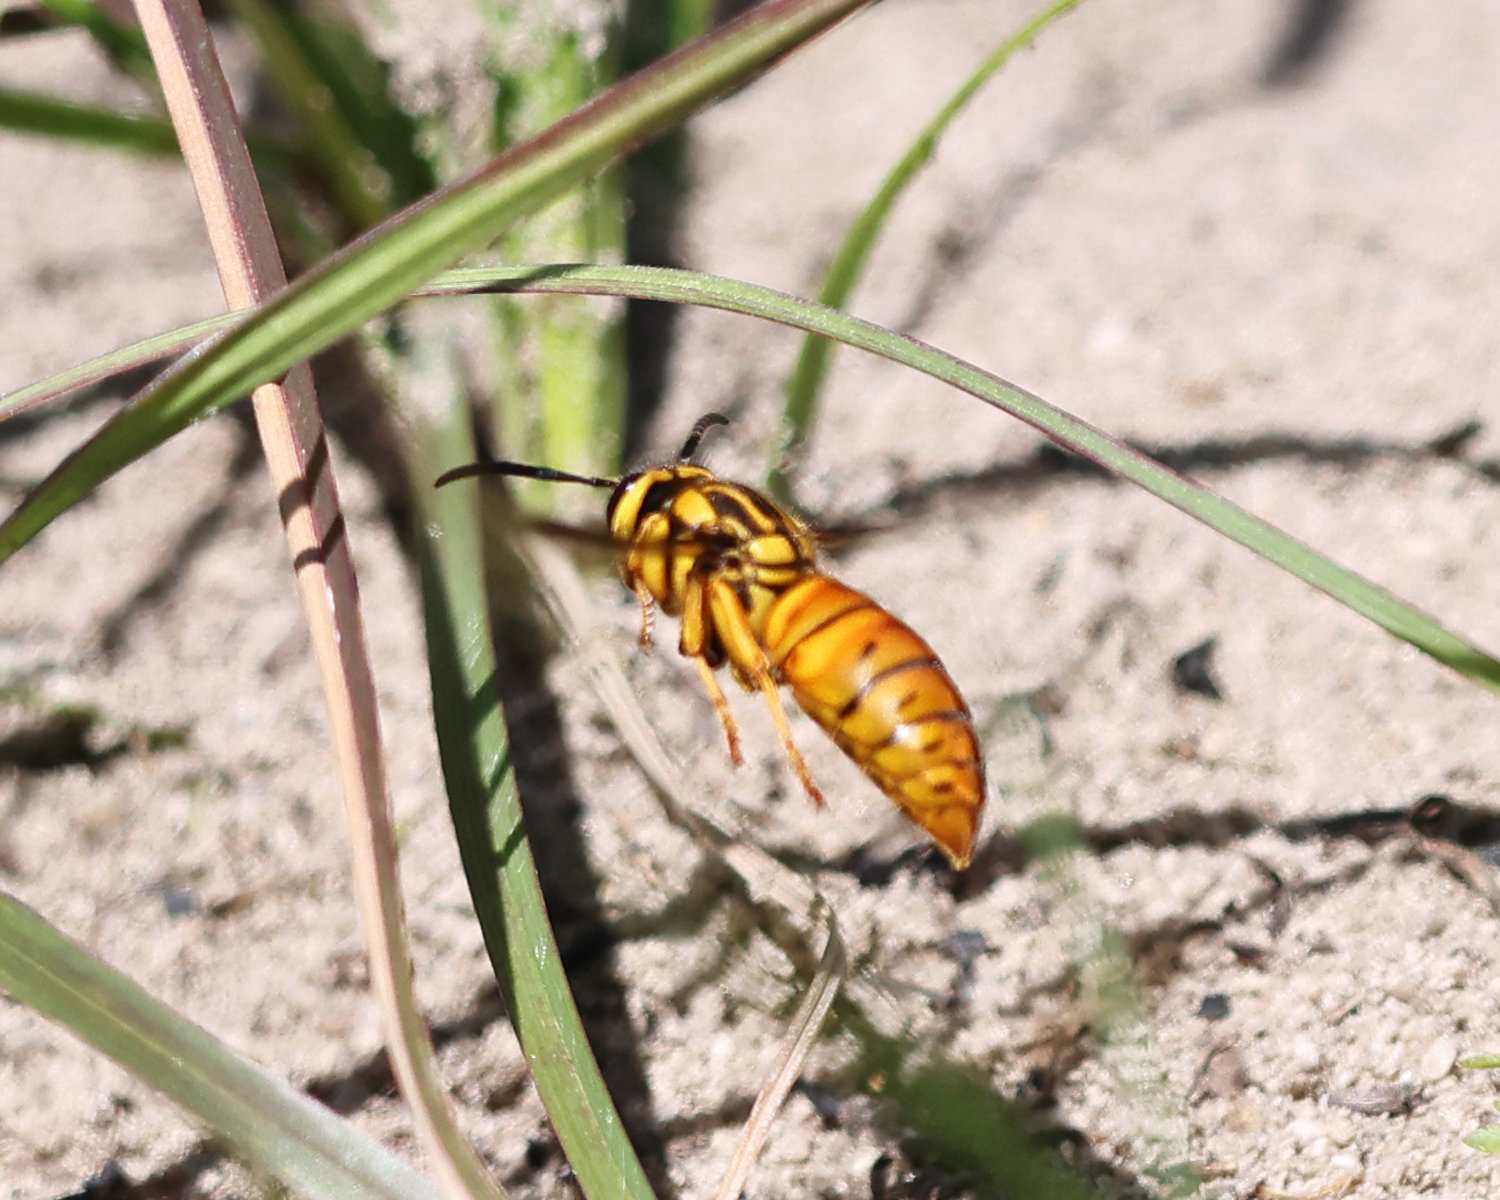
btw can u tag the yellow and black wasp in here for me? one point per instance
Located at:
(742, 574)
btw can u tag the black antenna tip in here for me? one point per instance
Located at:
(463, 472)
(706, 422)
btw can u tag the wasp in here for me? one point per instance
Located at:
(742, 575)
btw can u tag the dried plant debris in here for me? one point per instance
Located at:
(1391, 1099)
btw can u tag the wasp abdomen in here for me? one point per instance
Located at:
(882, 694)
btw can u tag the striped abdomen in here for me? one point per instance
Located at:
(880, 692)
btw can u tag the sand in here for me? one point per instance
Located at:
(1283, 275)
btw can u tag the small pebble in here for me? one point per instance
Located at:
(177, 901)
(1437, 1060)
(1192, 670)
(1214, 1006)
(1305, 1055)
(1306, 1131)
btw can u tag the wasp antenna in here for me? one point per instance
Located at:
(523, 469)
(706, 422)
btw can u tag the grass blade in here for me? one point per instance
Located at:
(848, 265)
(1374, 603)
(800, 1038)
(383, 266)
(35, 112)
(296, 450)
(297, 1139)
(1369, 600)
(474, 748)
(48, 116)
(354, 180)
(108, 366)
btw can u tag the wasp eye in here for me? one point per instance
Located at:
(659, 496)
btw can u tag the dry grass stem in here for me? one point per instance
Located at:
(296, 450)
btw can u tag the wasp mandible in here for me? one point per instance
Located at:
(742, 574)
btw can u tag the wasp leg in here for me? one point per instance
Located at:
(694, 645)
(721, 706)
(745, 653)
(648, 611)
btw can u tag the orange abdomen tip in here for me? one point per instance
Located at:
(882, 694)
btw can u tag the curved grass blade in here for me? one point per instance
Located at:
(1386, 610)
(848, 265)
(116, 362)
(297, 1139)
(380, 268)
(474, 749)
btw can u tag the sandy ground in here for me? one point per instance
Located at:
(1282, 273)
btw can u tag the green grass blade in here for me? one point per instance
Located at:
(685, 287)
(116, 362)
(956, 1114)
(299, 1140)
(360, 86)
(47, 116)
(35, 112)
(806, 383)
(355, 182)
(123, 43)
(1388, 611)
(564, 356)
(502, 878)
(382, 267)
